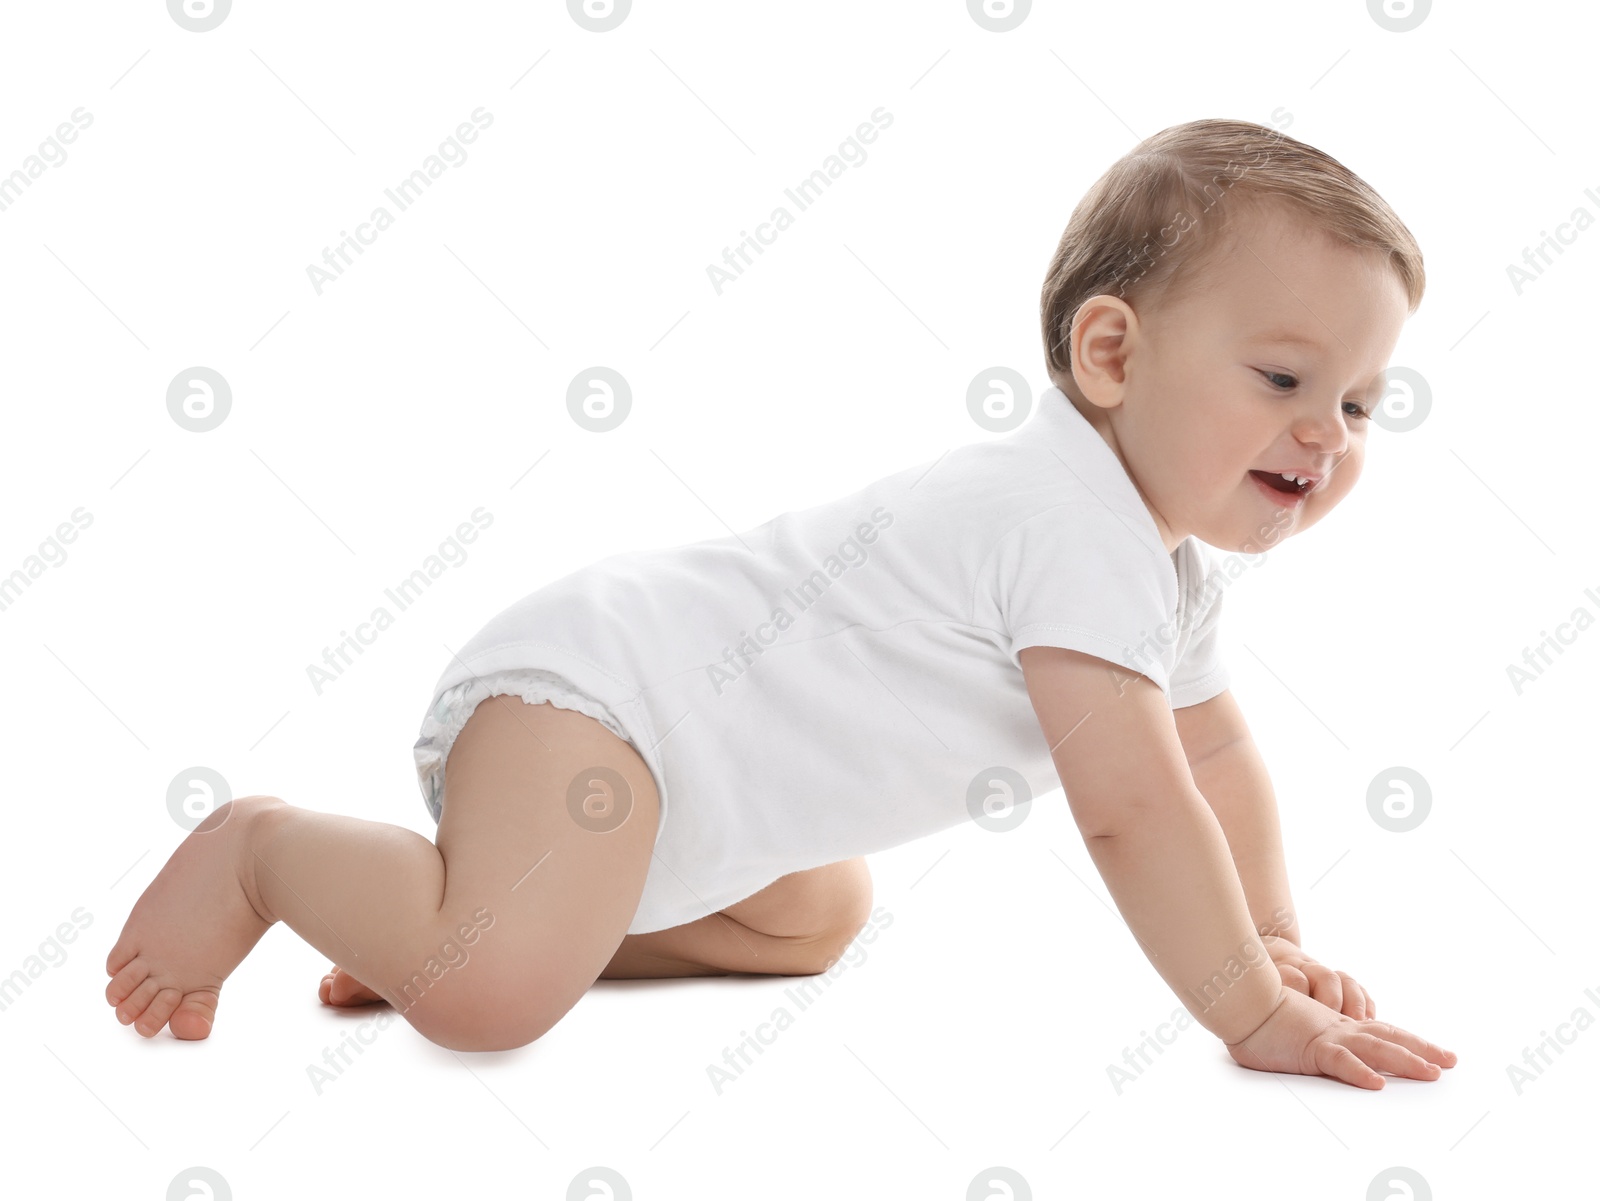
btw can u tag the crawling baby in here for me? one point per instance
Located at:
(674, 762)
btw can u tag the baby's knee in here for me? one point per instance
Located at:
(851, 902)
(483, 1014)
(497, 1030)
(849, 910)
(486, 1000)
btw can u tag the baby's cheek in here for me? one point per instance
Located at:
(1346, 474)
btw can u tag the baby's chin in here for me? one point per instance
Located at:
(1273, 528)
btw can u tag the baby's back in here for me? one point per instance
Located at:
(835, 681)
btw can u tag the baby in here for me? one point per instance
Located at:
(673, 762)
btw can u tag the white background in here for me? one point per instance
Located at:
(368, 421)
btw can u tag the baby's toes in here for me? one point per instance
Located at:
(159, 1010)
(340, 988)
(128, 978)
(333, 988)
(136, 1002)
(194, 1018)
(120, 954)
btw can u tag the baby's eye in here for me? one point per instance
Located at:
(1358, 412)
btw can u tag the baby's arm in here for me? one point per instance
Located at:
(1228, 770)
(1166, 862)
(1152, 836)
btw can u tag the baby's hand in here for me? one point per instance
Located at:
(1337, 990)
(1310, 1039)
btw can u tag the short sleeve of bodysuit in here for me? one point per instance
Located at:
(1201, 672)
(1079, 576)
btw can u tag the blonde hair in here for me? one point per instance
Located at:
(1146, 228)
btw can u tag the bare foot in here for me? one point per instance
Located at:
(192, 926)
(340, 988)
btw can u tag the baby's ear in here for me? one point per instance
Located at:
(1099, 349)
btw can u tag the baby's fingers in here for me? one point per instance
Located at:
(1340, 1062)
(1421, 1046)
(1354, 998)
(1391, 1057)
(1358, 1002)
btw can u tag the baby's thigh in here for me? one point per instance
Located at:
(834, 898)
(796, 926)
(548, 824)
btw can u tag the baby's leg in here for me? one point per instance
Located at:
(482, 941)
(798, 925)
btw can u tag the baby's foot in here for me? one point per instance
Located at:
(340, 988)
(194, 923)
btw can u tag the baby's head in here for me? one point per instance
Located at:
(1224, 301)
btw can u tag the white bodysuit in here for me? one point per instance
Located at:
(844, 678)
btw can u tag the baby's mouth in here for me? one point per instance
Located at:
(1273, 480)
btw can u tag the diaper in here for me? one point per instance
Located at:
(455, 705)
